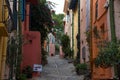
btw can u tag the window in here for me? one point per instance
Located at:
(96, 10)
(102, 28)
(84, 54)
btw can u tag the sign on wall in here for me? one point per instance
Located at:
(37, 68)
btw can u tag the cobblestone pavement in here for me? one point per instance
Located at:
(58, 69)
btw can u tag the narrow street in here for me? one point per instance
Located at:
(86, 30)
(58, 69)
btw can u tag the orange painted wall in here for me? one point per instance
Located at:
(99, 73)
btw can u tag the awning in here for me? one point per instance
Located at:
(73, 4)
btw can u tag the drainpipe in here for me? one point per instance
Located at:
(113, 34)
(19, 34)
(19, 40)
(78, 39)
(112, 21)
(90, 48)
(15, 13)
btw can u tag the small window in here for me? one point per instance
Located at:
(102, 28)
(96, 10)
(82, 9)
(96, 33)
(30, 41)
(84, 54)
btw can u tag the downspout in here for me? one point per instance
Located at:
(113, 34)
(90, 48)
(112, 21)
(19, 34)
(78, 40)
(15, 13)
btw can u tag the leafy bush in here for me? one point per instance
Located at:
(71, 53)
(57, 47)
(65, 42)
(108, 55)
(81, 66)
(27, 71)
(81, 69)
(44, 57)
(23, 77)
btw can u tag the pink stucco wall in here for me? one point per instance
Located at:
(31, 48)
(83, 24)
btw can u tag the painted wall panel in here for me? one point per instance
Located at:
(101, 21)
(75, 32)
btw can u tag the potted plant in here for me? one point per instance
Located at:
(81, 69)
(108, 55)
(28, 71)
(22, 77)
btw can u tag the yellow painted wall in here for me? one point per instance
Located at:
(75, 32)
(0, 56)
(3, 37)
(3, 18)
(0, 10)
(3, 48)
(3, 11)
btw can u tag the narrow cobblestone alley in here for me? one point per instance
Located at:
(58, 69)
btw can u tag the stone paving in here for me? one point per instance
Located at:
(58, 69)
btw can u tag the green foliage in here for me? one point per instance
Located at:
(13, 58)
(108, 55)
(57, 47)
(22, 77)
(41, 21)
(65, 41)
(27, 71)
(44, 57)
(82, 66)
(58, 20)
(42, 1)
(71, 53)
(58, 25)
